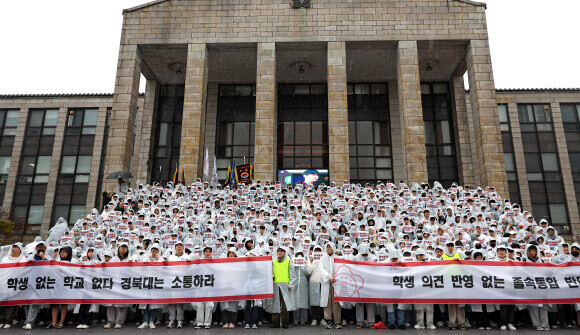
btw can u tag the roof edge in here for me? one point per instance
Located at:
(81, 95)
(145, 5)
(60, 95)
(475, 3)
(555, 89)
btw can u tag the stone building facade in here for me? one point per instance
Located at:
(366, 90)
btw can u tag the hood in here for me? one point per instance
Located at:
(527, 254)
(69, 253)
(553, 237)
(128, 250)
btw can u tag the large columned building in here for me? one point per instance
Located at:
(363, 90)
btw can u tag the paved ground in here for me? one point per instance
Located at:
(306, 330)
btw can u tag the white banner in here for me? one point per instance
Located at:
(225, 279)
(476, 282)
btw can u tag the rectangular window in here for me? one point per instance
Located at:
(34, 169)
(302, 126)
(508, 149)
(369, 133)
(8, 124)
(542, 164)
(75, 166)
(571, 121)
(168, 132)
(235, 126)
(439, 134)
(82, 121)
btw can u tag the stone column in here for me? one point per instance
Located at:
(489, 149)
(462, 137)
(54, 170)
(122, 125)
(338, 113)
(92, 195)
(193, 126)
(265, 143)
(411, 111)
(15, 160)
(564, 163)
(143, 160)
(519, 157)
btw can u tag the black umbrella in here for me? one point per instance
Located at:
(120, 174)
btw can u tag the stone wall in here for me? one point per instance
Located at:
(265, 143)
(185, 21)
(338, 113)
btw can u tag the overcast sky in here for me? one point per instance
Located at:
(71, 46)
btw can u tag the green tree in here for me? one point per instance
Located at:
(6, 231)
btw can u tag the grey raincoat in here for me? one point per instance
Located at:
(299, 286)
(281, 290)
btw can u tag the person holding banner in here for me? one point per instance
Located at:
(456, 311)
(89, 257)
(8, 313)
(506, 312)
(204, 309)
(176, 310)
(423, 310)
(538, 313)
(118, 313)
(230, 308)
(365, 256)
(32, 310)
(253, 309)
(65, 255)
(300, 289)
(150, 310)
(331, 307)
(314, 286)
(282, 303)
(396, 312)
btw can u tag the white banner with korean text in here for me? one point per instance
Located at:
(227, 279)
(475, 282)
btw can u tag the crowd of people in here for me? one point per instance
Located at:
(383, 222)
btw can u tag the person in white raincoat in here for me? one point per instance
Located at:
(331, 307)
(230, 308)
(8, 313)
(538, 313)
(118, 313)
(314, 286)
(150, 310)
(89, 257)
(423, 310)
(364, 255)
(283, 301)
(204, 309)
(300, 291)
(176, 310)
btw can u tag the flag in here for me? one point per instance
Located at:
(182, 175)
(233, 177)
(214, 175)
(206, 164)
(175, 175)
(243, 174)
(227, 182)
(252, 171)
